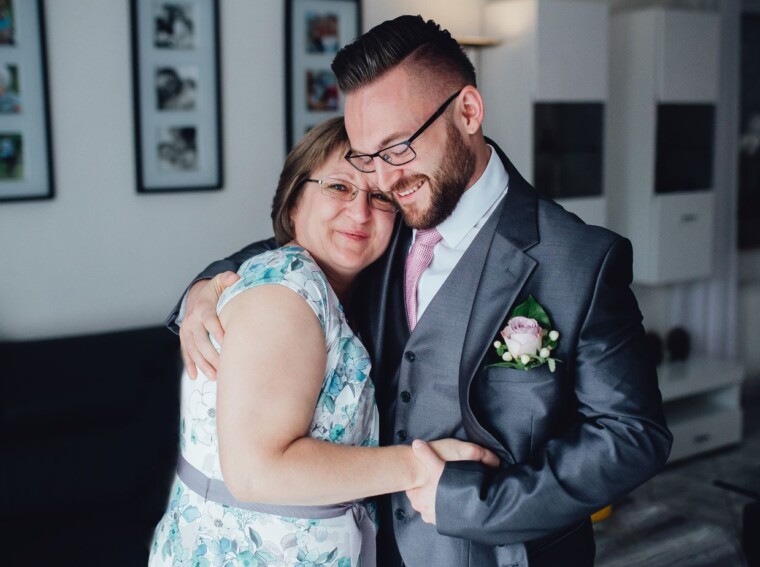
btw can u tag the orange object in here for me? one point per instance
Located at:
(602, 514)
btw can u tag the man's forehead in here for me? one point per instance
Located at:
(373, 122)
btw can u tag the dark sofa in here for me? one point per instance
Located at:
(89, 429)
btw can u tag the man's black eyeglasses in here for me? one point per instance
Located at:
(400, 153)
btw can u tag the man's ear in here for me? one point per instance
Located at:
(471, 109)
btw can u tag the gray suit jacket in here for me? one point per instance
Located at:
(570, 442)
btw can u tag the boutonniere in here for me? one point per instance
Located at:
(528, 338)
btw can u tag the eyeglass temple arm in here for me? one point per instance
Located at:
(433, 118)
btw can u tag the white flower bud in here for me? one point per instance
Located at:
(553, 335)
(497, 344)
(544, 353)
(506, 357)
(525, 359)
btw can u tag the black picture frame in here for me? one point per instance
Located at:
(177, 95)
(314, 32)
(26, 153)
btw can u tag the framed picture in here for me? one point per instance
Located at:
(178, 126)
(26, 164)
(314, 32)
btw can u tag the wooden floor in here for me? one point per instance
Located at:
(680, 518)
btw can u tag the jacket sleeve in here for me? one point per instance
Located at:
(228, 264)
(617, 439)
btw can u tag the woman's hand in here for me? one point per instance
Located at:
(456, 450)
(432, 458)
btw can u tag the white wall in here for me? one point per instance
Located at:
(99, 256)
(458, 16)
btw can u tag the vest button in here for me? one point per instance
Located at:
(399, 513)
(410, 356)
(406, 397)
(402, 435)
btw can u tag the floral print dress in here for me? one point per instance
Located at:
(199, 532)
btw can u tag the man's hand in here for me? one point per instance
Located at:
(200, 320)
(433, 457)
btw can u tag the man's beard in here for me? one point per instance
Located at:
(446, 185)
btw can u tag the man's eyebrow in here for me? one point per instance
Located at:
(388, 139)
(384, 143)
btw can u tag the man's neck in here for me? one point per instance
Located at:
(482, 156)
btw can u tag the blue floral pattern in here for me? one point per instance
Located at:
(196, 532)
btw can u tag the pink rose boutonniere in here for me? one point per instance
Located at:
(528, 338)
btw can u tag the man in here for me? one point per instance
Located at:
(570, 440)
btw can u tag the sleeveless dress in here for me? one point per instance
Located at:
(199, 532)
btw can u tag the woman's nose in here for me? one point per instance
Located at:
(358, 208)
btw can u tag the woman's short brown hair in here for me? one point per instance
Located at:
(309, 153)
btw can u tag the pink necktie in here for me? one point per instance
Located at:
(417, 262)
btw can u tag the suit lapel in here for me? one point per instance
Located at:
(505, 271)
(386, 326)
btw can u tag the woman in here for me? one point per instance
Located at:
(291, 423)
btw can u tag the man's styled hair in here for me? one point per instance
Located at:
(311, 152)
(424, 45)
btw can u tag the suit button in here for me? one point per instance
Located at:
(410, 356)
(402, 435)
(399, 513)
(406, 397)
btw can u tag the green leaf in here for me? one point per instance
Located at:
(255, 537)
(330, 404)
(515, 365)
(532, 310)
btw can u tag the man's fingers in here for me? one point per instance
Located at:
(425, 453)
(222, 281)
(208, 370)
(214, 327)
(190, 344)
(192, 371)
(205, 349)
(228, 278)
(204, 354)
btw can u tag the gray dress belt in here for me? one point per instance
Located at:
(362, 532)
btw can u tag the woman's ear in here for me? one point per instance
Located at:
(472, 112)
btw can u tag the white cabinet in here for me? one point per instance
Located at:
(660, 140)
(701, 397)
(552, 52)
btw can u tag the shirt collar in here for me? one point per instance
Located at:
(475, 202)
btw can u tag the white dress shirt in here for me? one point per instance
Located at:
(460, 229)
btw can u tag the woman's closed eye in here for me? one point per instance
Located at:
(339, 188)
(381, 197)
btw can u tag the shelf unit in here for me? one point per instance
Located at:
(660, 58)
(551, 51)
(702, 402)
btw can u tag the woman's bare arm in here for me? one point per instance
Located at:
(270, 375)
